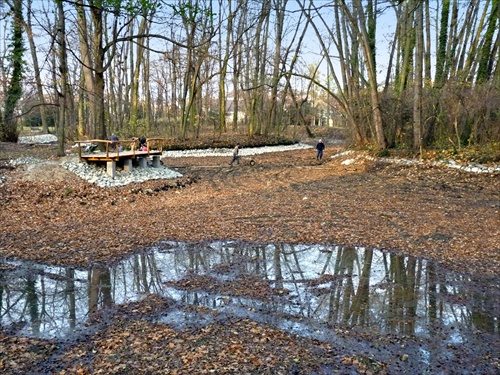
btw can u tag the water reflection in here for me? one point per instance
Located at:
(337, 286)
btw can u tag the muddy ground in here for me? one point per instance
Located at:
(53, 217)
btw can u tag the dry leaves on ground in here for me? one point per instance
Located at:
(444, 215)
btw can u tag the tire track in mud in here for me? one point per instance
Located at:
(265, 192)
(264, 176)
(291, 168)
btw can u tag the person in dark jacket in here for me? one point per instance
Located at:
(320, 147)
(114, 141)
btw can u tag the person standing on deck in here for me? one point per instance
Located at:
(320, 147)
(142, 143)
(114, 140)
(236, 156)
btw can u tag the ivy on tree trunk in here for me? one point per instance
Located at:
(8, 125)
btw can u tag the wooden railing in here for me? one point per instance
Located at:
(113, 147)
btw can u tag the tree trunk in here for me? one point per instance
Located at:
(223, 67)
(139, 58)
(36, 70)
(87, 123)
(272, 123)
(487, 55)
(442, 46)
(359, 27)
(259, 61)
(63, 68)
(428, 46)
(147, 92)
(8, 127)
(418, 84)
(98, 54)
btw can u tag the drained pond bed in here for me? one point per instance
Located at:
(363, 302)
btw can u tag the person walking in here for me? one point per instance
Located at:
(236, 156)
(320, 147)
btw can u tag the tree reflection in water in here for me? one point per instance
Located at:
(339, 286)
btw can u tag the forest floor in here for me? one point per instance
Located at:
(50, 216)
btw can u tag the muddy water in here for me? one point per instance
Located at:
(318, 290)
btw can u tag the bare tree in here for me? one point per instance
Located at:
(259, 56)
(36, 68)
(418, 78)
(224, 60)
(63, 69)
(177, 72)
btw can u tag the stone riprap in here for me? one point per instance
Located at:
(97, 175)
(38, 139)
(469, 167)
(229, 151)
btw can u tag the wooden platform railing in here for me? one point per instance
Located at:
(152, 142)
(112, 148)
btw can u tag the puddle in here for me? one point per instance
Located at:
(318, 290)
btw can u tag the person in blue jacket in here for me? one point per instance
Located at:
(114, 141)
(320, 147)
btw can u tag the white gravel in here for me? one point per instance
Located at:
(470, 167)
(99, 177)
(228, 151)
(38, 139)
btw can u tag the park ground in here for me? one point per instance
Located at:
(53, 217)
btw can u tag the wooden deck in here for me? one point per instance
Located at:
(129, 153)
(112, 152)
